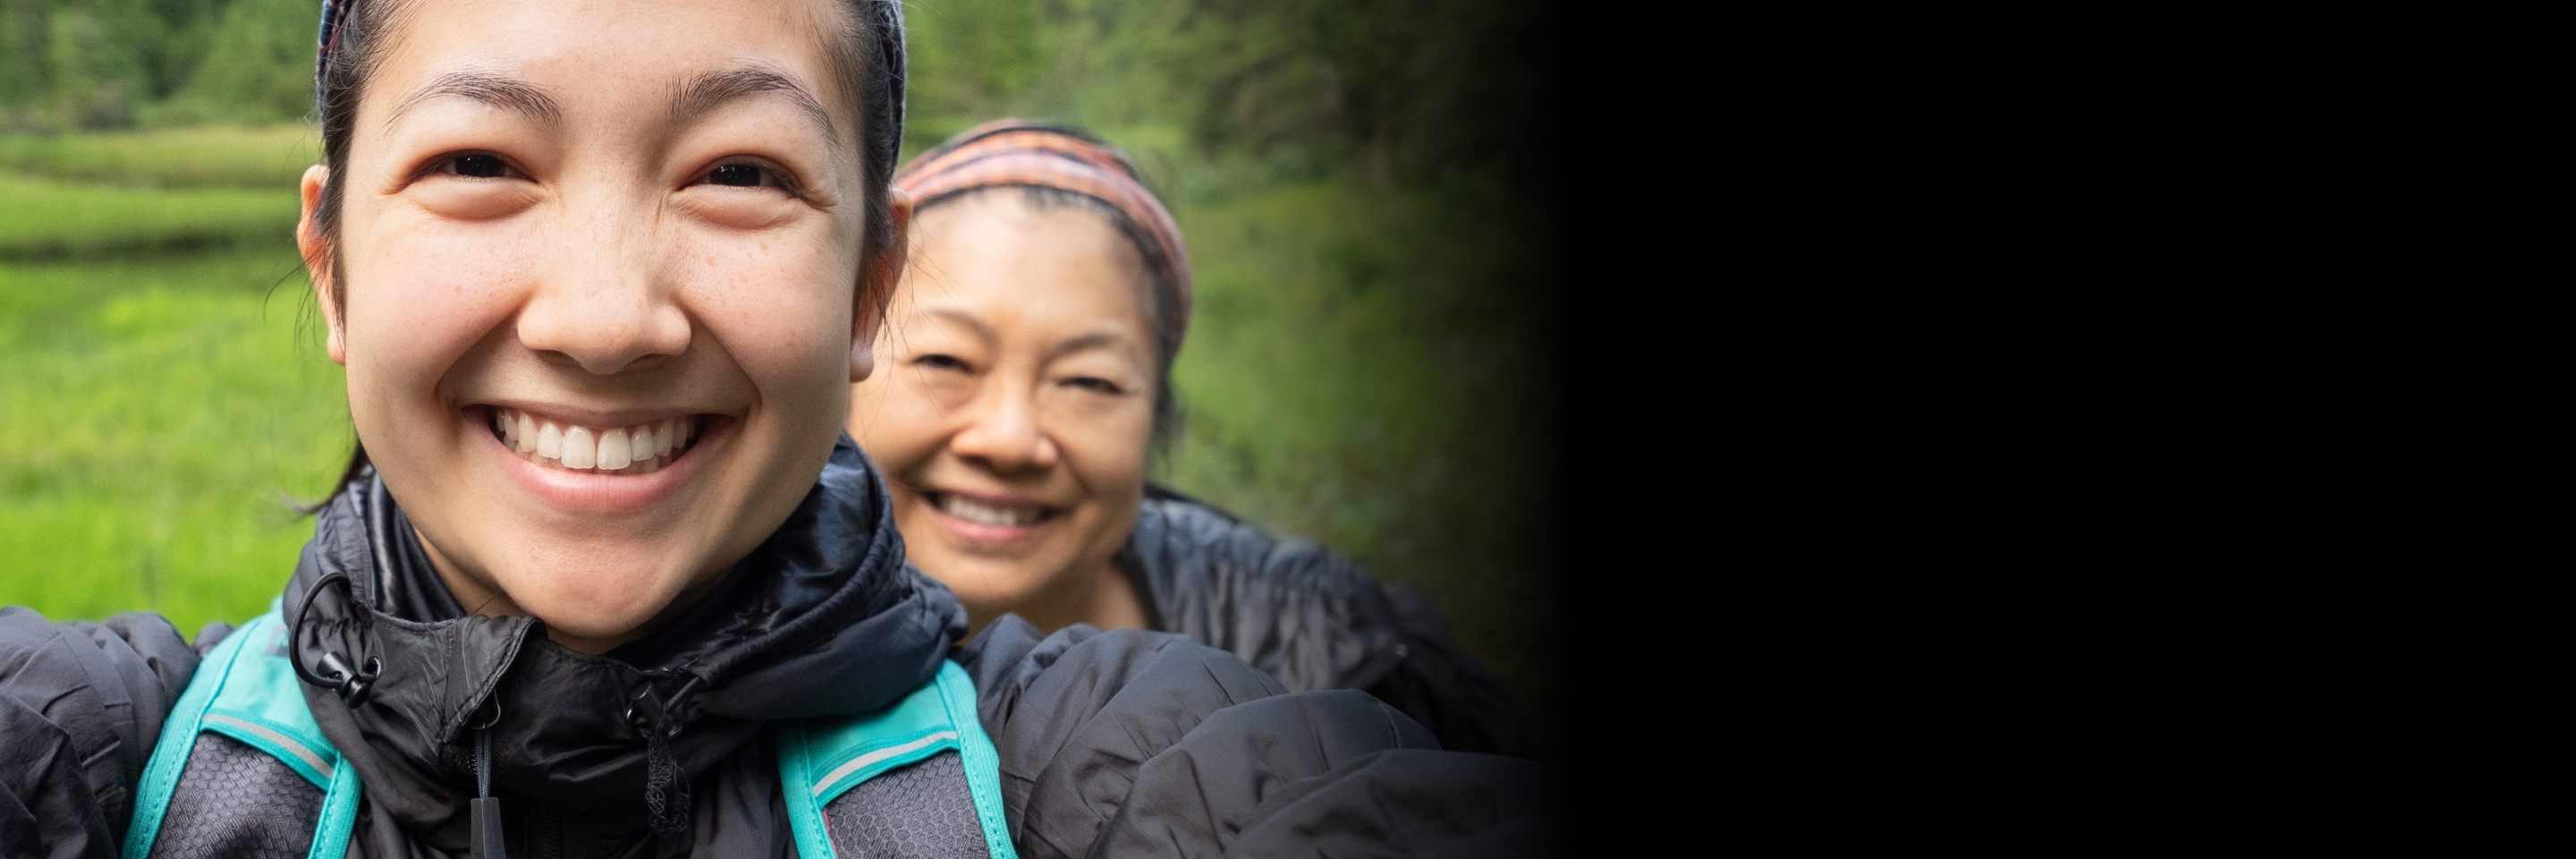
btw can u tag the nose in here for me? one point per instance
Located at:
(606, 301)
(1003, 433)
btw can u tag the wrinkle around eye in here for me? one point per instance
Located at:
(748, 208)
(472, 199)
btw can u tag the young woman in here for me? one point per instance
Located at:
(1029, 355)
(606, 578)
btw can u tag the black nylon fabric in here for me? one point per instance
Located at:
(1135, 743)
(1314, 620)
(822, 619)
(82, 701)
(48, 807)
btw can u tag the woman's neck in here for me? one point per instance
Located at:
(1103, 596)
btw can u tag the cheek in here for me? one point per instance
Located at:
(1106, 447)
(417, 306)
(782, 307)
(892, 421)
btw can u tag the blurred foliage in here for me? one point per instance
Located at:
(1369, 361)
(69, 65)
(1423, 91)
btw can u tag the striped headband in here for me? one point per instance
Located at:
(888, 124)
(1022, 152)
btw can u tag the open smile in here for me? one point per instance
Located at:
(988, 520)
(603, 469)
(641, 448)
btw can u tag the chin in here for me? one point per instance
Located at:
(595, 603)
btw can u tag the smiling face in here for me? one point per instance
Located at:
(1012, 416)
(599, 327)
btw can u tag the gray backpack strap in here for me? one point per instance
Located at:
(820, 759)
(247, 692)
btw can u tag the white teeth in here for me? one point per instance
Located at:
(614, 451)
(641, 449)
(985, 514)
(580, 449)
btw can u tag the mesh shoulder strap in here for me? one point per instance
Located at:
(246, 690)
(821, 758)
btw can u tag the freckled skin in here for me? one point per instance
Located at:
(1013, 415)
(604, 274)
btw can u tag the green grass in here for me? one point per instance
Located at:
(214, 157)
(41, 219)
(154, 415)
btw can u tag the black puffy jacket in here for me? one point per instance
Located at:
(1109, 744)
(1315, 621)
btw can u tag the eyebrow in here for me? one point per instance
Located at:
(1068, 346)
(982, 331)
(706, 91)
(1094, 340)
(701, 94)
(505, 93)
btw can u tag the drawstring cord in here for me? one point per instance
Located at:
(352, 685)
(486, 815)
(666, 789)
(669, 815)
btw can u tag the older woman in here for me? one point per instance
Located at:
(1028, 355)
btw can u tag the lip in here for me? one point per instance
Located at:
(592, 492)
(983, 536)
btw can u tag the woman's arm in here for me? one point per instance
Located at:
(1318, 620)
(81, 704)
(1140, 743)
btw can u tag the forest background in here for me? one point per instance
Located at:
(1363, 185)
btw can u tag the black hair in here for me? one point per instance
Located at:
(870, 62)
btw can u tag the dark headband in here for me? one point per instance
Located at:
(890, 66)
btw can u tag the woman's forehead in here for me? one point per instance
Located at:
(634, 60)
(999, 234)
(993, 263)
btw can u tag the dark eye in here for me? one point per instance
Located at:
(941, 362)
(738, 175)
(1096, 385)
(480, 166)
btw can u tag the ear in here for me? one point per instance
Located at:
(877, 281)
(317, 260)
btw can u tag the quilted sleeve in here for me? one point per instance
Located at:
(1141, 743)
(82, 704)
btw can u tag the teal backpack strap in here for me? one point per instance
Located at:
(245, 689)
(819, 759)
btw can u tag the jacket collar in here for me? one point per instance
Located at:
(823, 618)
